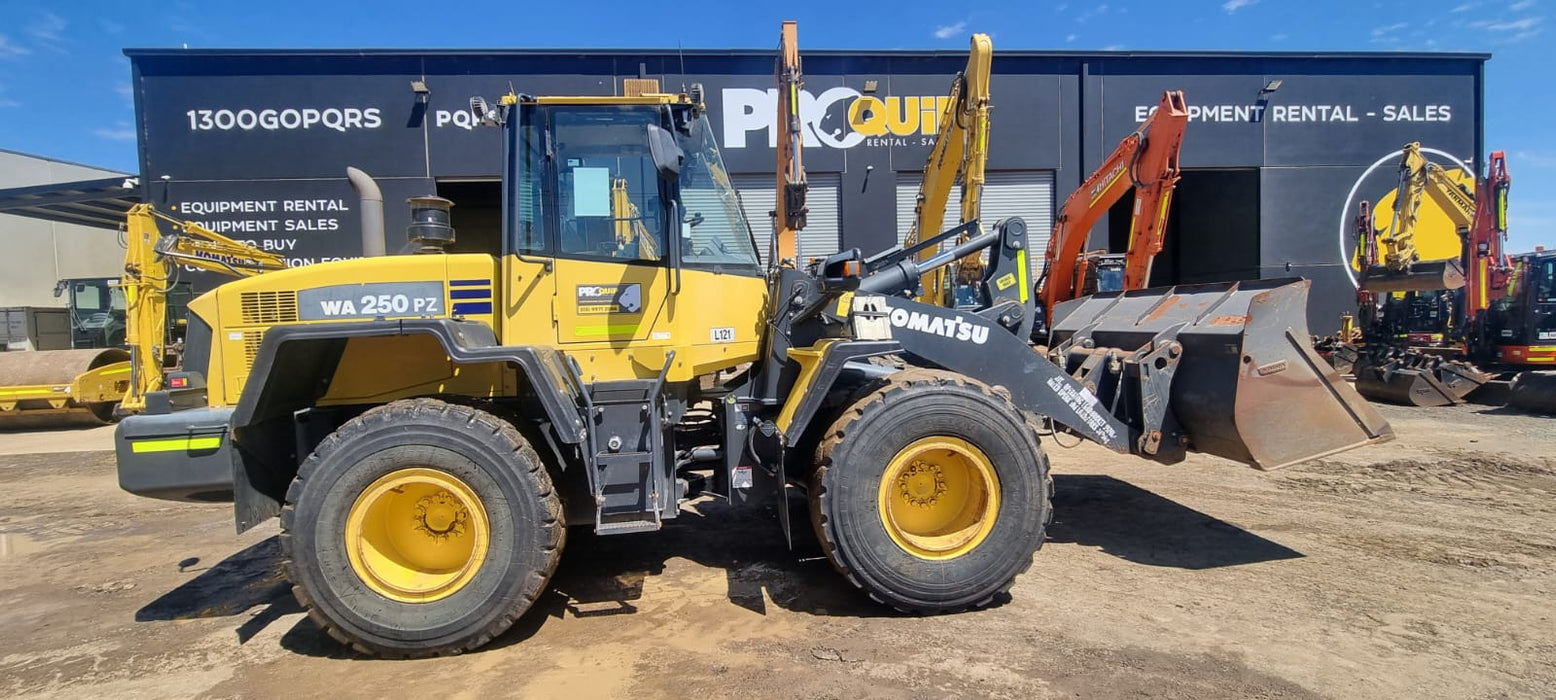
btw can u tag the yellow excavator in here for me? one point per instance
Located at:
(58, 388)
(428, 426)
(1399, 363)
(1402, 269)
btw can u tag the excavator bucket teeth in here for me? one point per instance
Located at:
(1248, 386)
(1421, 277)
(1414, 379)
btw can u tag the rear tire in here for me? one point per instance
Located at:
(420, 528)
(932, 493)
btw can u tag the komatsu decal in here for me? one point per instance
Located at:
(954, 328)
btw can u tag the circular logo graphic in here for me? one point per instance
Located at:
(1436, 235)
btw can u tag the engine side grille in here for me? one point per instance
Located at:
(269, 307)
(251, 340)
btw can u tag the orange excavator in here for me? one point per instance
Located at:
(789, 217)
(1147, 161)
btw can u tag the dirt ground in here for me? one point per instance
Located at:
(1424, 567)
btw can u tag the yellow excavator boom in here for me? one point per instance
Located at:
(151, 260)
(961, 149)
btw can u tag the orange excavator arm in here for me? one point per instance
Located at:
(790, 214)
(1146, 160)
(1489, 267)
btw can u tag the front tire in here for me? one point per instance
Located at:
(932, 493)
(420, 528)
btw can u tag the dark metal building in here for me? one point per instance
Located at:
(1279, 150)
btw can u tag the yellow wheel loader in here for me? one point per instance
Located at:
(428, 426)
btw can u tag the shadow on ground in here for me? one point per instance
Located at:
(1134, 524)
(245, 580)
(606, 575)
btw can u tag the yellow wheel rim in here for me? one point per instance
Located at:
(417, 535)
(939, 498)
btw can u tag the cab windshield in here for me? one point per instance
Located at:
(713, 228)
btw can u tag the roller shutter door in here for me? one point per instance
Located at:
(822, 230)
(1028, 194)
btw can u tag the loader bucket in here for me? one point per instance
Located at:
(1248, 385)
(61, 388)
(1421, 277)
(1410, 378)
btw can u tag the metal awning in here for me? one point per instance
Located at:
(98, 203)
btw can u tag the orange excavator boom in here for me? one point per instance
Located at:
(791, 210)
(1146, 160)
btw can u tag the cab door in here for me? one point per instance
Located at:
(612, 269)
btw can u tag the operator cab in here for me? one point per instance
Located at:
(610, 182)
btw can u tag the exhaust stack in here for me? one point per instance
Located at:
(372, 207)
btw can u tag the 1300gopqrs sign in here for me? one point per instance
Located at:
(372, 300)
(340, 119)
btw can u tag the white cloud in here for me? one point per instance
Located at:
(126, 91)
(1533, 158)
(1279, 37)
(1071, 37)
(1232, 6)
(1466, 7)
(48, 30)
(951, 30)
(121, 131)
(1113, 47)
(10, 50)
(1093, 12)
(1522, 24)
(1385, 32)
(1520, 5)
(4, 103)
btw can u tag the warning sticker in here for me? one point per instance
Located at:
(610, 298)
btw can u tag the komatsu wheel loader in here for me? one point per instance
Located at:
(428, 426)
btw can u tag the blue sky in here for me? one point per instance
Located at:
(65, 86)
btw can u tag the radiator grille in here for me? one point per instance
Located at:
(269, 307)
(251, 341)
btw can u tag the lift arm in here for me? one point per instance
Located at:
(149, 264)
(961, 148)
(791, 210)
(1146, 160)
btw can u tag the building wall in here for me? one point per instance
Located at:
(256, 144)
(39, 253)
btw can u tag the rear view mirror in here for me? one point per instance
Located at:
(666, 152)
(59, 288)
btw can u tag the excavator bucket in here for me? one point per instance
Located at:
(61, 388)
(1248, 385)
(1410, 378)
(1534, 391)
(1421, 277)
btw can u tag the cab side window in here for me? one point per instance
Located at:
(608, 192)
